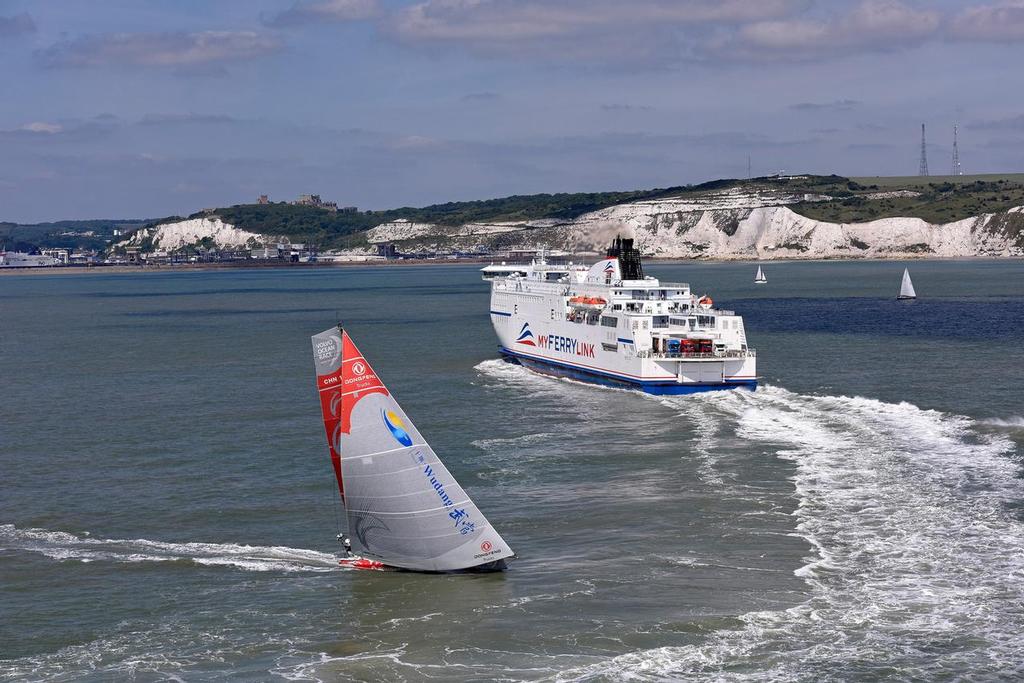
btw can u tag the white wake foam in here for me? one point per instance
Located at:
(61, 545)
(1015, 422)
(918, 563)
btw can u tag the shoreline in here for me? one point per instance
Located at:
(246, 265)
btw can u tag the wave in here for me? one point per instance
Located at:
(61, 545)
(918, 559)
(1015, 422)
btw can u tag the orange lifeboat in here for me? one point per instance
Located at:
(587, 302)
(706, 302)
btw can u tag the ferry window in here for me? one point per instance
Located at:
(660, 321)
(609, 321)
(617, 307)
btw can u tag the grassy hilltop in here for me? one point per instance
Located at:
(936, 199)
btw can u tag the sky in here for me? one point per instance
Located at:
(151, 108)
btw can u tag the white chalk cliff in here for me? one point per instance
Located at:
(170, 236)
(727, 224)
(730, 224)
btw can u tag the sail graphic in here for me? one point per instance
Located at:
(907, 287)
(403, 506)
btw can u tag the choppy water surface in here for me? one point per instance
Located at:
(168, 510)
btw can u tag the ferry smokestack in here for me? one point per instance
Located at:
(629, 258)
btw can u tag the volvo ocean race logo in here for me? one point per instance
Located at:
(396, 427)
(327, 350)
(525, 336)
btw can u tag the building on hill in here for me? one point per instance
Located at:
(315, 200)
(263, 199)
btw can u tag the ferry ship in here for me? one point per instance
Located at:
(17, 259)
(610, 324)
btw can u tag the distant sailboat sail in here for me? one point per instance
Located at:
(760, 278)
(404, 508)
(907, 287)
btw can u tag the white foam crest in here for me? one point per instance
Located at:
(61, 545)
(503, 445)
(1013, 422)
(918, 565)
(706, 428)
(515, 373)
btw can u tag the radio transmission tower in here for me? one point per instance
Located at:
(923, 169)
(957, 169)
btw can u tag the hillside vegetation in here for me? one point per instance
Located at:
(933, 199)
(311, 224)
(63, 234)
(832, 198)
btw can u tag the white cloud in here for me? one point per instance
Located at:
(1000, 22)
(325, 10)
(872, 25)
(159, 49)
(500, 25)
(42, 127)
(838, 105)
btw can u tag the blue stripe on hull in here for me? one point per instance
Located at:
(661, 388)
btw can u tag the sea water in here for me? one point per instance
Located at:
(167, 508)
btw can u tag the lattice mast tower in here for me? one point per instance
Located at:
(923, 168)
(957, 168)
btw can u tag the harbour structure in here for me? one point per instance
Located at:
(610, 324)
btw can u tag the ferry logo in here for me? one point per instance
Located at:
(567, 345)
(396, 427)
(526, 336)
(609, 266)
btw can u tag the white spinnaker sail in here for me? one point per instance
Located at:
(403, 506)
(907, 287)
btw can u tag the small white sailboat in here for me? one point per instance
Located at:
(907, 287)
(404, 509)
(760, 279)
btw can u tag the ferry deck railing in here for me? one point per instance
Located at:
(730, 353)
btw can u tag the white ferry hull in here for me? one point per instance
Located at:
(583, 358)
(609, 324)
